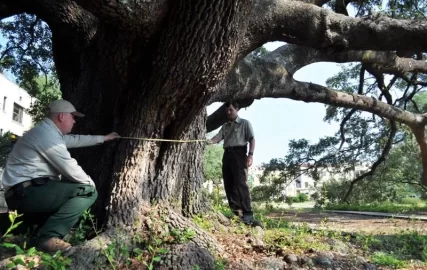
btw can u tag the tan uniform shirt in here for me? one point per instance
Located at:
(236, 133)
(42, 152)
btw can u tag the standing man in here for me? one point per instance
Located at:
(236, 133)
(32, 176)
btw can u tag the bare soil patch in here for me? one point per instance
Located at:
(351, 222)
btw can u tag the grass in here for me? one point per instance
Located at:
(385, 207)
(384, 259)
(203, 222)
(298, 239)
(396, 250)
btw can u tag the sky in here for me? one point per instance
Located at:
(277, 121)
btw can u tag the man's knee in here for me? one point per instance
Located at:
(85, 196)
(94, 195)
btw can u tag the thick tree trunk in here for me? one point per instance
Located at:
(131, 174)
(148, 88)
(154, 89)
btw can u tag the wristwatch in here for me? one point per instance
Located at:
(250, 153)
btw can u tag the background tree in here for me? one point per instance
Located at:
(213, 163)
(47, 91)
(5, 147)
(27, 56)
(213, 170)
(149, 68)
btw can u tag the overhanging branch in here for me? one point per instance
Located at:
(9, 8)
(218, 118)
(306, 24)
(271, 76)
(65, 18)
(128, 14)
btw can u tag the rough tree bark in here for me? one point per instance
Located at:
(148, 68)
(146, 88)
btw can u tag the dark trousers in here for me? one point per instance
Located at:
(63, 203)
(235, 175)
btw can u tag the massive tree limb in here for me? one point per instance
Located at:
(128, 14)
(268, 77)
(305, 24)
(9, 8)
(260, 79)
(218, 118)
(262, 73)
(294, 57)
(384, 61)
(270, 20)
(64, 17)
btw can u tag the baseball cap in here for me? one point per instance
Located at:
(63, 106)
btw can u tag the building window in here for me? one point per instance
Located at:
(298, 182)
(18, 112)
(306, 184)
(4, 103)
(20, 98)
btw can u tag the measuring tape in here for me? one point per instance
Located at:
(162, 140)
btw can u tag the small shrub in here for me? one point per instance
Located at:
(412, 201)
(387, 260)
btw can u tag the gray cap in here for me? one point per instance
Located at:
(63, 106)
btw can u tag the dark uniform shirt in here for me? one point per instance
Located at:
(235, 133)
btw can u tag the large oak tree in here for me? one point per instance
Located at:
(148, 68)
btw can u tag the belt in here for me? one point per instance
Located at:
(18, 188)
(234, 148)
(10, 192)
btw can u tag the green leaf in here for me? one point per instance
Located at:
(137, 251)
(14, 226)
(8, 245)
(57, 254)
(31, 251)
(19, 250)
(163, 251)
(157, 259)
(10, 265)
(12, 217)
(19, 261)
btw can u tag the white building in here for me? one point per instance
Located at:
(14, 101)
(13, 104)
(305, 183)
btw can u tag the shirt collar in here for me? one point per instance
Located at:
(238, 120)
(52, 125)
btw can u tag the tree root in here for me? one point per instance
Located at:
(186, 243)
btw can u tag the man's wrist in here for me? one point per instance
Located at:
(250, 153)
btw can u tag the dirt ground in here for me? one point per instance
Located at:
(243, 249)
(352, 223)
